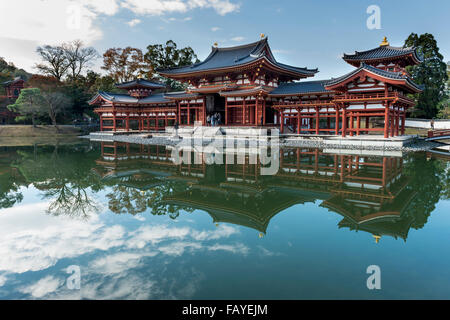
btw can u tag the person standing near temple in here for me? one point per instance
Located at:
(219, 118)
(208, 120)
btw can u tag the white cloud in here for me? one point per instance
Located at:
(134, 22)
(160, 7)
(238, 39)
(56, 21)
(214, 29)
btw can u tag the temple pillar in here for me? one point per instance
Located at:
(299, 121)
(101, 122)
(344, 121)
(386, 120)
(350, 126)
(317, 120)
(336, 126)
(403, 121)
(281, 122)
(358, 124)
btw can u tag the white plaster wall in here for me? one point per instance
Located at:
(426, 124)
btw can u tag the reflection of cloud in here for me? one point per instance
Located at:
(237, 248)
(119, 262)
(267, 253)
(32, 240)
(122, 263)
(2, 280)
(43, 287)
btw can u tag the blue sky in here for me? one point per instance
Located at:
(302, 33)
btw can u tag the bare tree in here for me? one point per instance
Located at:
(78, 57)
(54, 61)
(55, 104)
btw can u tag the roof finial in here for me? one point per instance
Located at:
(377, 238)
(216, 44)
(384, 42)
(140, 75)
(262, 35)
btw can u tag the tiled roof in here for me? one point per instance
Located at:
(302, 87)
(382, 52)
(124, 98)
(256, 90)
(380, 72)
(236, 56)
(10, 82)
(140, 83)
(181, 95)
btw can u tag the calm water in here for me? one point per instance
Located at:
(140, 227)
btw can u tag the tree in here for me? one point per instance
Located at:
(54, 61)
(169, 56)
(45, 83)
(124, 64)
(55, 104)
(431, 73)
(444, 105)
(78, 57)
(29, 104)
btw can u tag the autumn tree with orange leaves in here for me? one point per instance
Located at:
(125, 64)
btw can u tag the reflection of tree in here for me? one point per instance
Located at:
(425, 181)
(64, 175)
(130, 200)
(10, 180)
(72, 201)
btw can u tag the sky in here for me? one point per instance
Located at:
(303, 33)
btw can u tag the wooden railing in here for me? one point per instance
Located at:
(371, 96)
(312, 103)
(438, 133)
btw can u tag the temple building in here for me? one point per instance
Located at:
(248, 87)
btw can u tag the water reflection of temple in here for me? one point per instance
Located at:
(370, 192)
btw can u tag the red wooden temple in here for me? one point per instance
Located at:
(247, 86)
(12, 90)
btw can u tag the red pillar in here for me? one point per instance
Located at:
(350, 126)
(358, 124)
(386, 121)
(101, 122)
(114, 121)
(243, 112)
(299, 121)
(317, 120)
(336, 126)
(281, 121)
(403, 121)
(397, 120)
(344, 121)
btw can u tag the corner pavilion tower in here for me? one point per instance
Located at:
(249, 88)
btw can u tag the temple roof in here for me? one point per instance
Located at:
(124, 98)
(140, 83)
(383, 52)
(302, 87)
(10, 82)
(378, 72)
(223, 58)
(260, 90)
(181, 95)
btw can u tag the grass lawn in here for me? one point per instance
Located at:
(38, 131)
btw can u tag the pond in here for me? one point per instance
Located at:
(132, 224)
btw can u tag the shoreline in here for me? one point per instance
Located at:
(415, 145)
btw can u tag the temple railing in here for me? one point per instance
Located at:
(300, 104)
(371, 96)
